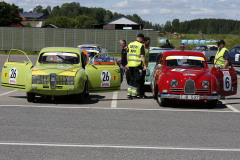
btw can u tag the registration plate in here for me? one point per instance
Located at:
(189, 97)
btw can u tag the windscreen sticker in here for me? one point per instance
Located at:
(178, 70)
(105, 78)
(64, 66)
(13, 76)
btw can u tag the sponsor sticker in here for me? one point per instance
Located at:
(5, 75)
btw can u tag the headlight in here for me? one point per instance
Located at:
(205, 84)
(70, 81)
(147, 72)
(36, 79)
(174, 83)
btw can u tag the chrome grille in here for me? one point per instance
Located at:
(203, 90)
(189, 87)
(60, 80)
(176, 89)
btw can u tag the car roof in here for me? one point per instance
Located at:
(89, 45)
(187, 53)
(60, 49)
(158, 50)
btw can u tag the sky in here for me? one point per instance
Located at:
(155, 11)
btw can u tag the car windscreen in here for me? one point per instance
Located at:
(185, 61)
(59, 57)
(153, 57)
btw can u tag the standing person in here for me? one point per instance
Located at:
(136, 59)
(123, 60)
(222, 54)
(168, 45)
(147, 41)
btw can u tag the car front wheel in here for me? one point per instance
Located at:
(212, 103)
(161, 101)
(30, 97)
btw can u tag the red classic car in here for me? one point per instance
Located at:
(185, 76)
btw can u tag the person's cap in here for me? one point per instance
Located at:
(221, 42)
(140, 35)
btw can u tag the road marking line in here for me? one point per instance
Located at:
(230, 107)
(7, 93)
(117, 146)
(114, 100)
(131, 109)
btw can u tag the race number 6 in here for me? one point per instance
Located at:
(227, 82)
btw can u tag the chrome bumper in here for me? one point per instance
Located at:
(202, 97)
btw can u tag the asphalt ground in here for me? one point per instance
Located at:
(109, 126)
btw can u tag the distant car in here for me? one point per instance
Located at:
(235, 55)
(209, 50)
(153, 55)
(185, 76)
(87, 47)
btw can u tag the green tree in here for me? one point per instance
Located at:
(9, 14)
(85, 22)
(55, 12)
(98, 14)
(175, 25)
(168, 26)
(71, 9)
(61, 22)
(38, 9)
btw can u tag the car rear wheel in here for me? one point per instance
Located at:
(161, 101)
(30, 97)
(212, 104)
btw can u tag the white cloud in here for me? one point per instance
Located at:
(120, 4)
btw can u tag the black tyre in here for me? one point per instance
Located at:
(86, 90)
(161, 101)
(212, 104)
(30, 97)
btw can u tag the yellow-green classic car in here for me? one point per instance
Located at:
(61, 71)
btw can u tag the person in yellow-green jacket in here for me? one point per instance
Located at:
(222, 55)
(136, 64)
(141, 90)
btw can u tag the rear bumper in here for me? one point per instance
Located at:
(202, 97)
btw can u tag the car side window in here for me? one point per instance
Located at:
(237, 50)
(232, 50)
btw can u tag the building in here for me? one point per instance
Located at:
(121, 22)
(34, 19)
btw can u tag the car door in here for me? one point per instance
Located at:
(103, 75)
(15, 69)
(227, 80)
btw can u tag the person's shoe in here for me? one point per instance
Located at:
(129, 97)
(142, 96)
(133, 97)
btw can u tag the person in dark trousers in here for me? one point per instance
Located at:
(167, 45)
(147, 41)
(123, 61)
(136, 64)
